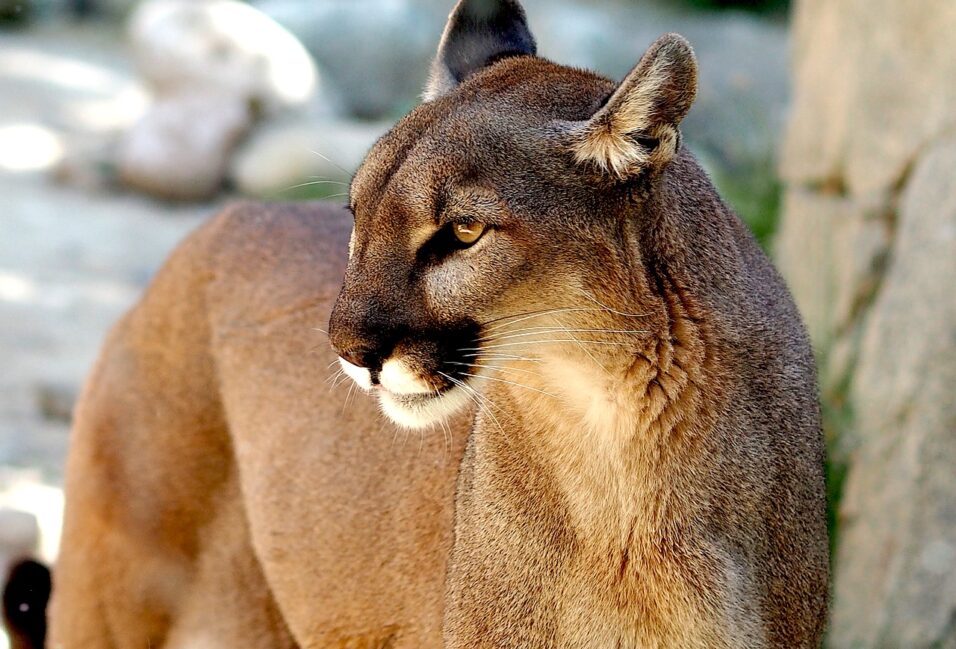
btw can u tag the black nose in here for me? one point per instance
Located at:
(363, 330)
(365, 357)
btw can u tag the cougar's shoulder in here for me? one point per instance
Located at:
(277, 251)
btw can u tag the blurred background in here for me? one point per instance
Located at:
(830, 126)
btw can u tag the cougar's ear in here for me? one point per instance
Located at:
(478, 33)
(636, 129)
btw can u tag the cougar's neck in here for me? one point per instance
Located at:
(621, 416)
(617, 426)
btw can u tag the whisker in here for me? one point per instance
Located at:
(528, 315)
(469, 391)
(520, 385)
(611, 309)
(500, 356)
(544, 341)
(531, 331)
(348, 397)
(330, 180)
(479, 400)
(496, 368)
(330, 161)
(313, 182)
(340, 381)
(583, 348)
(446, 432)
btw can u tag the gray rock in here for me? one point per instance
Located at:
(181, 148)
(56, 400)
(896, 60)
(375, 52)
(831, 250)
(19, 536)
(743, 74)
(896, 570)
(294, 155)
(868, 244)
(221, 46)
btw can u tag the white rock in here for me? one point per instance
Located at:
(220, 45)
(281, 156)
(180, 149)
(375, 52)
(19, 534)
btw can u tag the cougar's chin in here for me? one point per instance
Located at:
(421, 410)
(405, 397)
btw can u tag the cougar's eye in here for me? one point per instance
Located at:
(468, 233)
(451, 238)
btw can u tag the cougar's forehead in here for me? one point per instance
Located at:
(500, 112)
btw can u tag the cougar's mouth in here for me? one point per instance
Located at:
(409, 399)
(420, 409)
(415, 400)
(421, 376)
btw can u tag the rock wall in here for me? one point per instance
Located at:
(868, 244)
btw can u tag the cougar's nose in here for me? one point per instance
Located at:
(362, 329)
(363, 357)
(353, 343)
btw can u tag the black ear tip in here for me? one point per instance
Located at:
(496, 16)
(486, 10)
(478, 34)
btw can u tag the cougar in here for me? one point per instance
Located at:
(592, 416)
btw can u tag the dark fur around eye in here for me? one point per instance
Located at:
(443, 243)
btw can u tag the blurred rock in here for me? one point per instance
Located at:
(868, 244)
(376, 52)
(284, 156)
(832, 250)
(89, 165)
(221, 46)
(743, 59)
(896, 60)
(896, 569)
(15, 12)
(19, 536)
(56, 401)
(180, 149)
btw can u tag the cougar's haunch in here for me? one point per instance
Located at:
(621, 442)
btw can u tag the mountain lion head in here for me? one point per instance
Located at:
(490, 228)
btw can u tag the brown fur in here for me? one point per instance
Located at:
(644, 463)
(219, 494)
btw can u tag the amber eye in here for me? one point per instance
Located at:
(468, 233)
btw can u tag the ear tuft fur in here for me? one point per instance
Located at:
(637, 129)
(478, 33)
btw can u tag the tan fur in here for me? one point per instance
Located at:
(220, 493)
(641, 466)
(607, 140)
